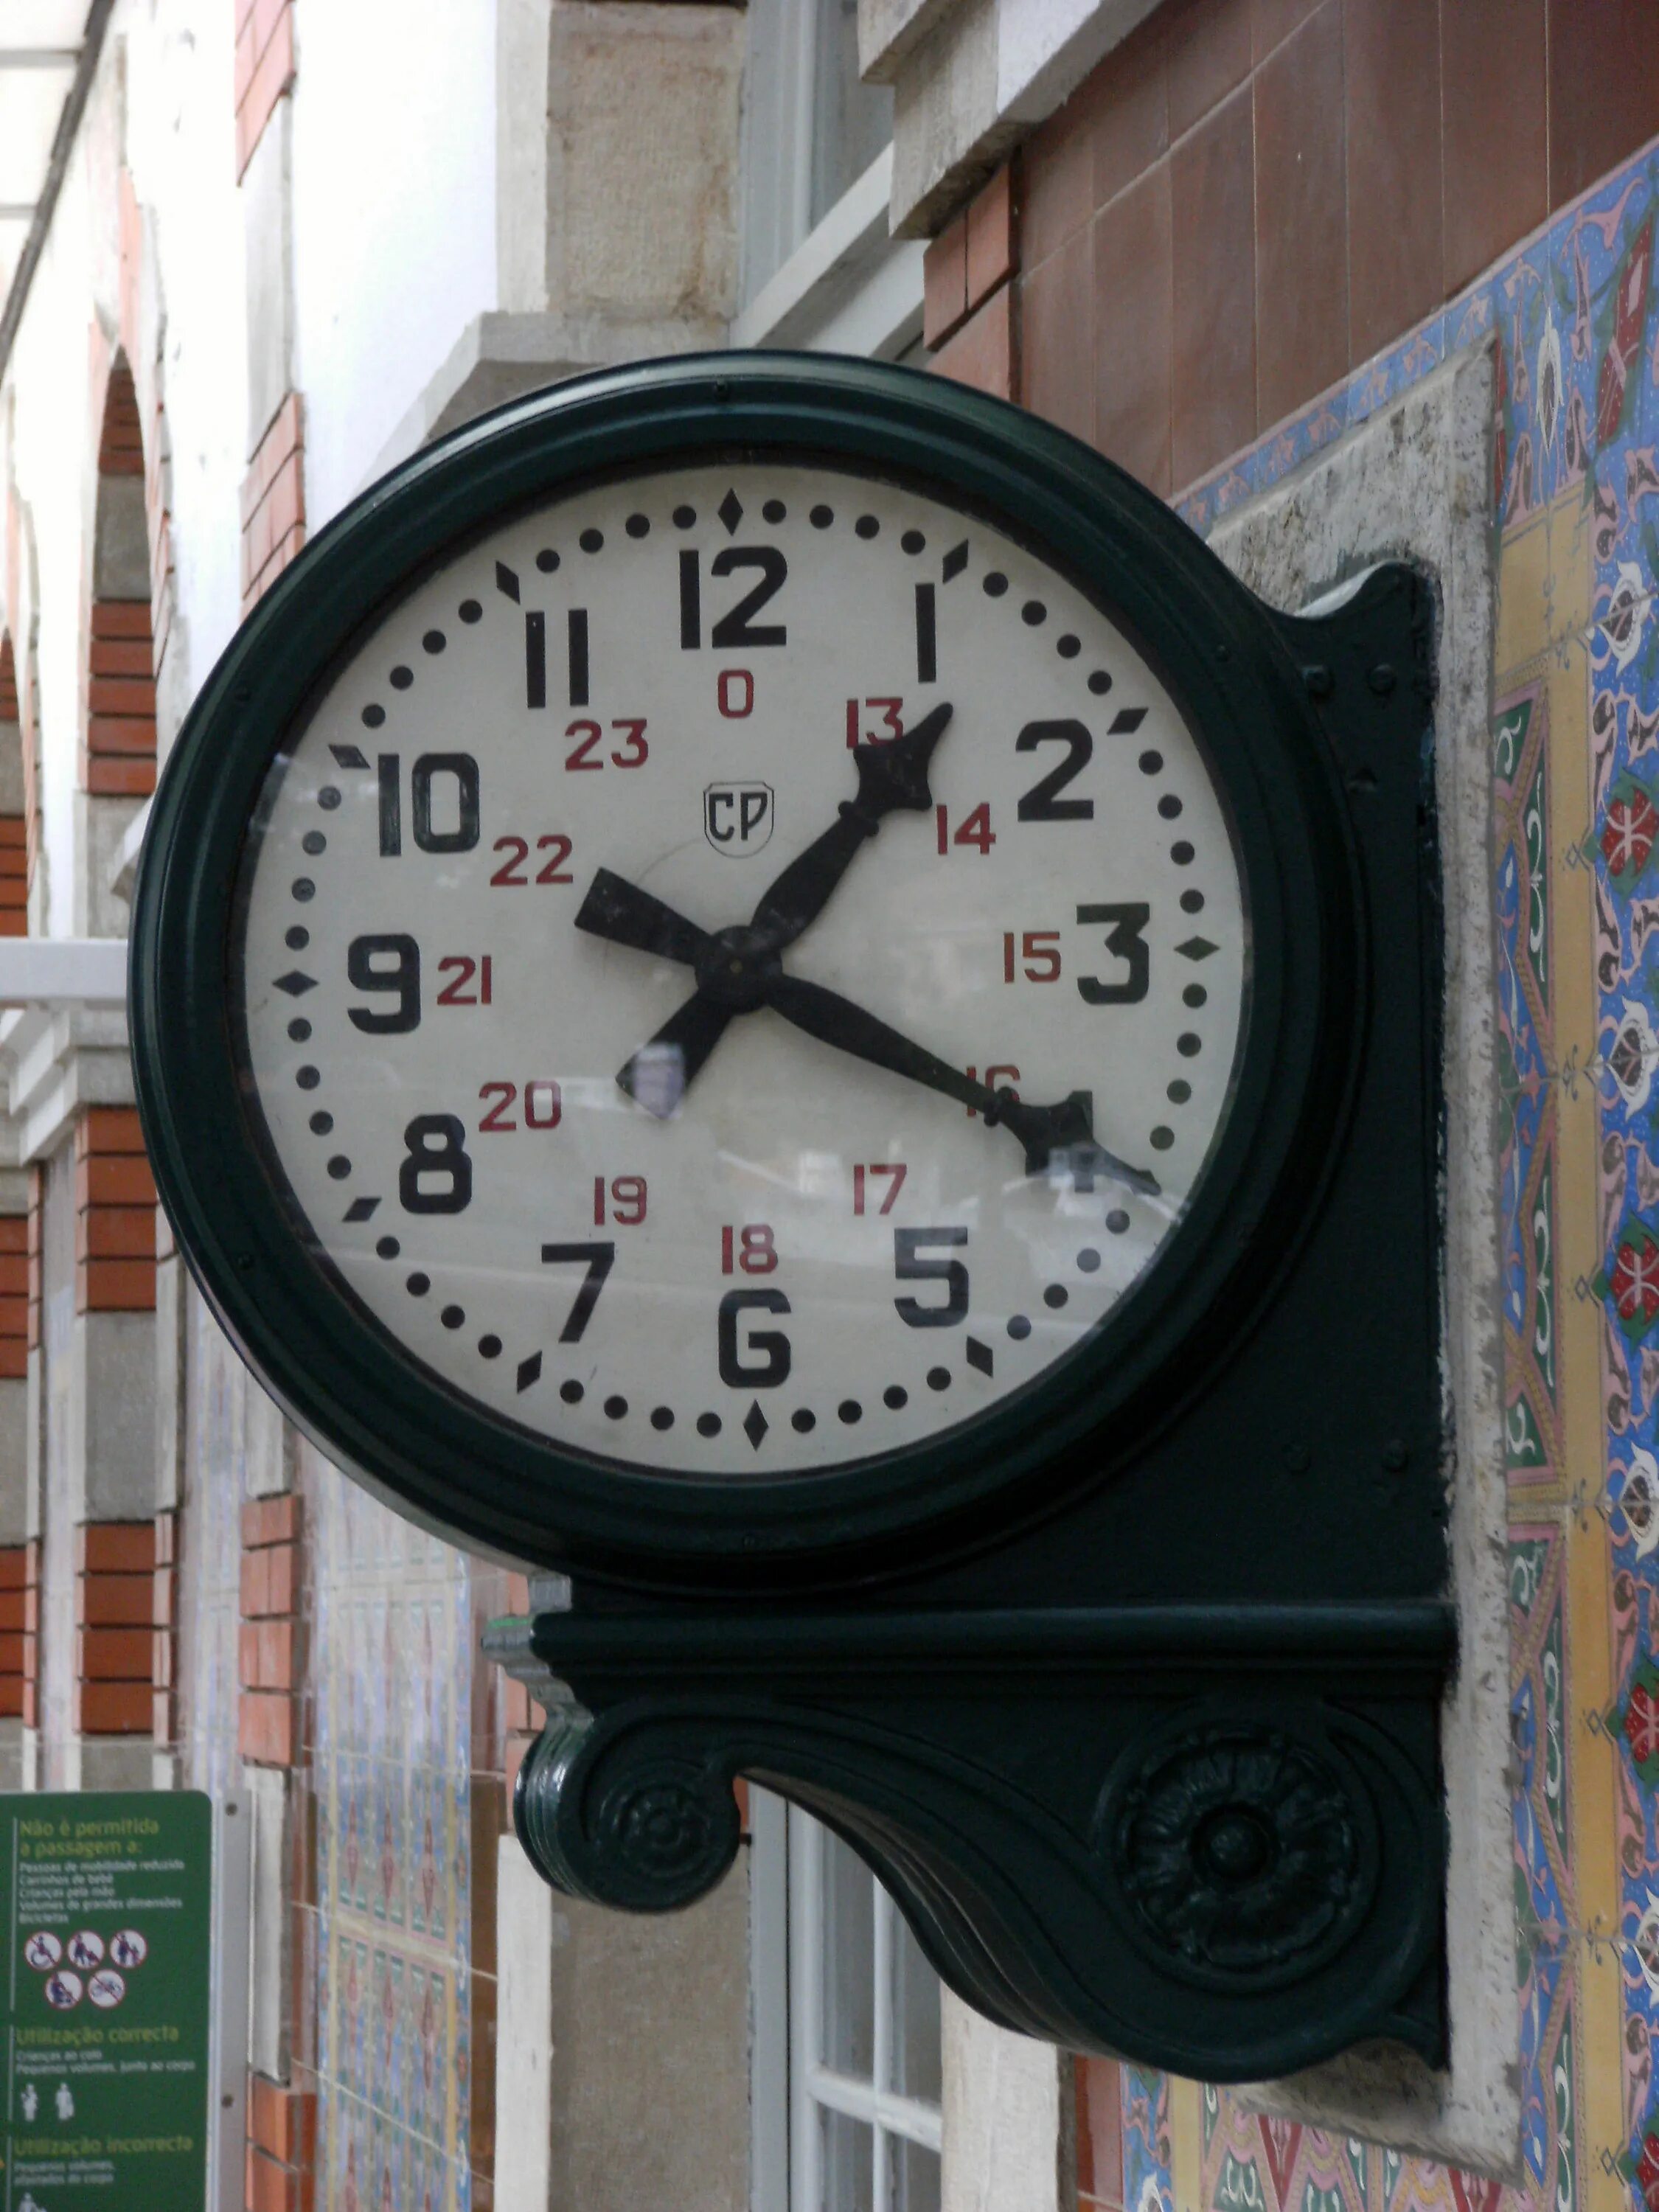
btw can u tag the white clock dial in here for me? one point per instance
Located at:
(782, 1247)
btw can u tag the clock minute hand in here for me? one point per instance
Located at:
(619, 910)
(1042, 1131)
(892, 779)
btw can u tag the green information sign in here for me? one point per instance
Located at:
(107, 1913)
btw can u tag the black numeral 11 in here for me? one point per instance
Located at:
(535, 657)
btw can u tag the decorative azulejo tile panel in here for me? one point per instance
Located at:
(1574, 510)
(393, 1668)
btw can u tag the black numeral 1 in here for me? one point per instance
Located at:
(691, 604)
(535, 661)
(927, 636)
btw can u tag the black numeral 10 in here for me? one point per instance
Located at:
(443, 802)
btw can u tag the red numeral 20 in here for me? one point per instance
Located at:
(635, 752)
(975, 829)
(897, 1171)
(517, 850)
(892, 722)
(624, 1196)
(542, 1106)
(466, 968)
(749, 1248)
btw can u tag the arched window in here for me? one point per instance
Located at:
(120, 757)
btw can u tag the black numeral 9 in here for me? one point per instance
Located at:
(366, 959)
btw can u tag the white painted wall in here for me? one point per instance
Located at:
(394, 217)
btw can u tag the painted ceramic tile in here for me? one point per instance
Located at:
(1575, 454)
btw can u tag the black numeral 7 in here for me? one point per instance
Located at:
(598, 1260)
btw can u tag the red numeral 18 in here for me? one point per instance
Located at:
(749, 1248)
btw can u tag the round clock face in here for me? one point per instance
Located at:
(742, 970)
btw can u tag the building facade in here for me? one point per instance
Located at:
(1342, 280)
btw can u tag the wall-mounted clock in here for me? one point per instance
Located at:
(751, 976)
(760, 945)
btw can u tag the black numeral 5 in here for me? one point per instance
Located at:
(909, 1268)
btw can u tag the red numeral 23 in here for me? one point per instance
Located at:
(635, 751)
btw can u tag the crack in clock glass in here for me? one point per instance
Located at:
(741, 971)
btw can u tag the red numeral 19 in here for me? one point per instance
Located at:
(749, 1248)
(896, 1171)
(975, 829)
(624, 1196)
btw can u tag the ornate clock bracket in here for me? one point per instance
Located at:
(1095, 1841)
(1208, 1833)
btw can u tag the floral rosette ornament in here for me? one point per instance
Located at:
(1638, 1722)
(1628, 831)
(1630, 1280)
(1641, 2165)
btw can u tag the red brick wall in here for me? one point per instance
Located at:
(267, 1730)
(13, 1296)
(1249, 198)
(114, 1568)
(114, 1214)
(264, 68)
(14, 841)
(282, 2147)
(16, 1635)
(273, 502)
(119, 760)
(1099, 2135)
(968, 298)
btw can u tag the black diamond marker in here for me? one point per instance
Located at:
(360, 1209)
(755, 1424)
(730, 511)
(529, 1370)
(296, 984)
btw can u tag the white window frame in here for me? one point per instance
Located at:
(848, 286)
(791, 2083)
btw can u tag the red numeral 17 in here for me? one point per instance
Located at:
(897, 1171)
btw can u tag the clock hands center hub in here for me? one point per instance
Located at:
(737, 967)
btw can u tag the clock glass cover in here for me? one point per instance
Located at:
(741, 971)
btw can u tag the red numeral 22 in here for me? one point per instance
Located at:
(517, 850)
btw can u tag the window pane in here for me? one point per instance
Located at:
(913, 2044)
(847, 2164)
(847, 2030)
(913, 2176)
(851, 122)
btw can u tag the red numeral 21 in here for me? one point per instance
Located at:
(625, 1197)
(892, 722)
(749, 1248)
(974, 831)
(456, 993)
(1039, 950)
(896, 1171)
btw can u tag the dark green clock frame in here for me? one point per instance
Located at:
(1129, 1692)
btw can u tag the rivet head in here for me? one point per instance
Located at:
(1394, 1455)
(1297, 1459)
(1382, 678)
(1319, 680)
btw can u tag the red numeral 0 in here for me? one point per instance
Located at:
(734, 693)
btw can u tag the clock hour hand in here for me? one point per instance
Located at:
(619, 910)
(892, 779)
(1045, 1132)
